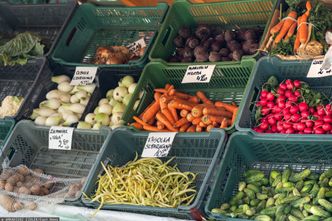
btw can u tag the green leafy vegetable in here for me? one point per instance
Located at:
(20, 48)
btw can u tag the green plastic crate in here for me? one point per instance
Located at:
(28, 145)
(197, 153)
(245, 151)
(227, 84)
(229, 14)
(6, 127)
(282, 69)
(92, 26)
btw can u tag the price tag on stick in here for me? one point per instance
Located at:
(84, 75)
(316, 70)
(198, 74)
(136, 46)
(60, 138)
(158, 144)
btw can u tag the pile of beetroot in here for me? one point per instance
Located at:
(292, 107)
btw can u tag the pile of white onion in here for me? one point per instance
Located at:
(63, 106)
(110, 109)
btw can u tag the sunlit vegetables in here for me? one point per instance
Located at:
(64, 105)
(160, 184)
(111, 108)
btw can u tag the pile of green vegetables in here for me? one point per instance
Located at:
(286, 195)
(20, 48)
(145, 182)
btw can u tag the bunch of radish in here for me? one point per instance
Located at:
(292, 107)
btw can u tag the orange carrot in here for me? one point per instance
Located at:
(217, 111)
(167, 86)
(201, 124)
(151, 121)
(181, 105)
(308, 7)
(290, 32)
(174, 113)
(181, 95)
(203, 98)
(137, 125)
(234, 104)
(303, 29)
(194, 99)
(183, 113)
(285, 27)
(224, 123)
(277, 27)
(163, 100)
(156, 96)
(169, 89)
(139, 121)
(234, 116)
(192, 128)
(184, 127)
(297, 42)
(160, 125)
(209, 128)
(190, 117)
(160, 90)
(197, 111)
(196, 121)
(167, 113)
(217, 119)
(165, 121)
(205, 119)
(151, 111)
(228, 107)
(198, 128)
(152, 128)
(181, 122)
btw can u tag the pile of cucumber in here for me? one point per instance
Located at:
(286, 195)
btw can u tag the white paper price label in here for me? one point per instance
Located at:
(84, 75)
(198, 74)
(316, 70)
(158, 144)
(137, 45)
(60, 138)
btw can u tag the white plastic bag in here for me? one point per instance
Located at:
(328, 56)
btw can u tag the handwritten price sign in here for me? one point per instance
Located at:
(198, 74)
(60, 138)
(158, 144)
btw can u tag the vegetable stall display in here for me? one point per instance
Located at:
(292, 107)
(175, 111)
(281, 195)
(63, 105)
(301, 30)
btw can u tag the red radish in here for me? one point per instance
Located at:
(257, 129)
(274, 129)
(326, 127)
(272, 121)
(327, 119)
(303, 106)
(297, 93)
(290, 86)
(265, 111)
(300, 132)
(264, 93)
(288, 81)
(289, 131)
(309, 123)
(312, 110)
(270, 104)
(283, 86)
(289, 104)
(281, 99)
(262, 103)
(328, 107)
(293, 98)
(288, 93)
(307, 130)
(287, 125)
(320, 111)
(264, 126)
(268, 131)
(280, 91)
(305, 114)
(287, 116)
(281, 104)
(297, 83)
(295, 117)
(278, 116)
(300, 126)
(270, 96)
(319, 130)
(280, 126)
(294, 109)
(277, 109)
(318, 123)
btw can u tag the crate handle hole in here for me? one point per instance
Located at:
(71, 36)
(166, 35)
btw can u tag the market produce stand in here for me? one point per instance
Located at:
(166, 110)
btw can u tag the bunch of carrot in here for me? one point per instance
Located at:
(285, 29)
(175, 111)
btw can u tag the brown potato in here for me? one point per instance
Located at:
(9, 187)
(31, 205)
(18, 205)
(23, 170)
(2, 184)
(35, 189)
(19, 184)
(24, 190)
(38, 171)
